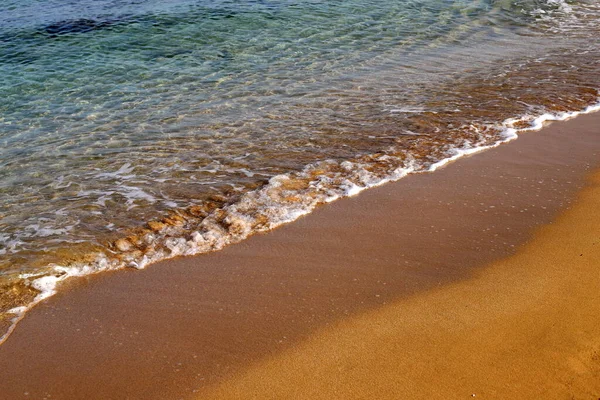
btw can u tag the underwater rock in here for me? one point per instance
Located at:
(76, 26)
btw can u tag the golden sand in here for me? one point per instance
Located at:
(397, 293)
(527, 327)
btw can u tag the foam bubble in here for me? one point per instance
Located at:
(122, 173)
(407, 110)
(284, 199)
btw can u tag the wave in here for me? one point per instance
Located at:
(285, 198)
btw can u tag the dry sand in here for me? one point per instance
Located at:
(339, 289)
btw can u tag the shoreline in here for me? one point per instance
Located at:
(524, 327)
(48, 285)
(194, 322)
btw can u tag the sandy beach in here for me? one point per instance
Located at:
(525, 328)
(480, 279)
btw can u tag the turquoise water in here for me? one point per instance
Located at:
(132, 131)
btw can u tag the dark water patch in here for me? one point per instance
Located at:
(76, 26)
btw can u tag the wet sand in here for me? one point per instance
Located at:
(242, 321)
(526, 327)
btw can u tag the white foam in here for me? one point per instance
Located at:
(46, 285)
(121, 173)
(264, 209)
(407, 110)
(562, 5)
(42, 231)
(169, 203)
(17, 310)
(134, 194)
(509, 134)
(131, 193)
(538, 123)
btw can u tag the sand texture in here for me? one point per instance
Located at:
(400, 292)
(528, 327)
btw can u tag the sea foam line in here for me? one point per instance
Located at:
(212, 241)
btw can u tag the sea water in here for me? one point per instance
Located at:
(134, 131)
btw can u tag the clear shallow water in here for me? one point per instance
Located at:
(132, 131)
